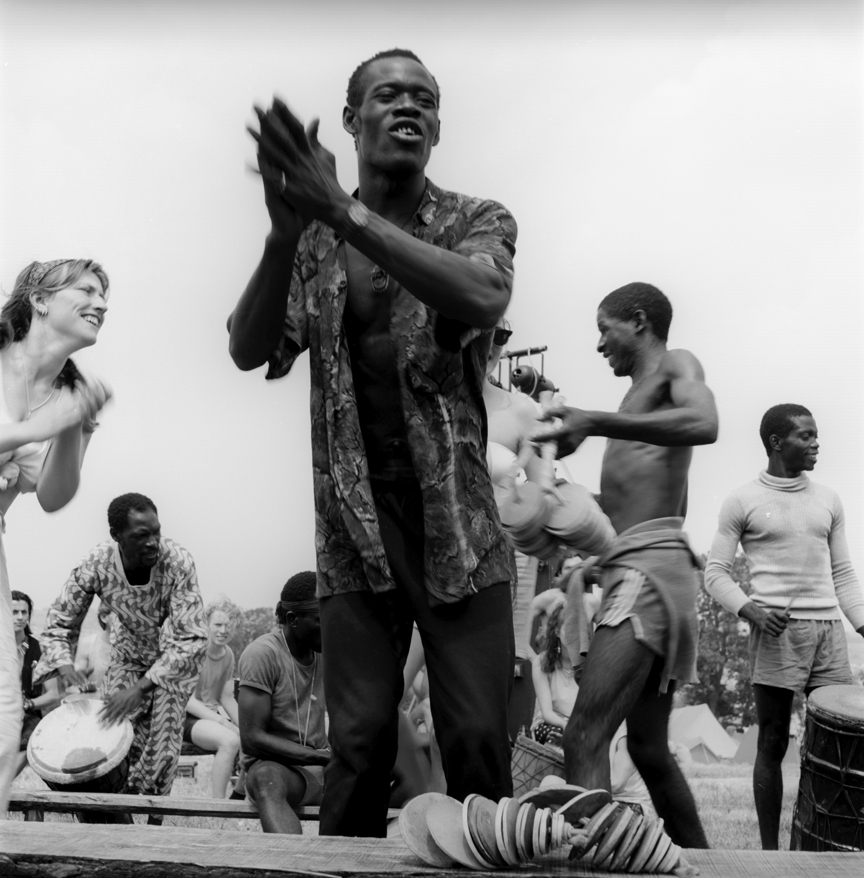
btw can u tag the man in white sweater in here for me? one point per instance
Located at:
(793, 534)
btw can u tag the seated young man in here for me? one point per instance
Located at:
(281, 705)
(211, 713)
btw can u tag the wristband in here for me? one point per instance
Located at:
(356, 219)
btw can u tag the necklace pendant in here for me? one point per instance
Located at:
(380, 279)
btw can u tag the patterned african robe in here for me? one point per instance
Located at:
(159, 632)
(441, 365)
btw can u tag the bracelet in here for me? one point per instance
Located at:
(356, 219)
(28, 705)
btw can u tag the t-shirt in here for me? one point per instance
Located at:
(215, 673)
(296, 690)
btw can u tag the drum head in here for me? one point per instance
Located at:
(841, 701)
(70, 745)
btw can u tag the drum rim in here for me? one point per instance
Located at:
(815, 706)
(97, 771)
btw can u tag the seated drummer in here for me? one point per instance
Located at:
(281, 704)
(157, 636)
(37, 698)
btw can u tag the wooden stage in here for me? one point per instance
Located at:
(73, 850)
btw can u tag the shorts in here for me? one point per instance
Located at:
(629, 594)
(810, 653)
(312, 774)
(633, 597)
(188, 722)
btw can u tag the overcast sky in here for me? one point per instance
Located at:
(711, 148)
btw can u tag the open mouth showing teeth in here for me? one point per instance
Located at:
(93, 321)
(406, 130)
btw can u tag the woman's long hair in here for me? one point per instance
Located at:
(47, 278)
(550, 659)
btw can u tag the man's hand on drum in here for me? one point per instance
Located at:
(301, 171)
(70, 676)
(771, 622)
(120, 704)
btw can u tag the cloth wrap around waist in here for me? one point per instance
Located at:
(661, 552)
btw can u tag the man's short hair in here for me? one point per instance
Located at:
(300, 587)
(623, 303)
(120, 507)
(355, 83)
(779, 420)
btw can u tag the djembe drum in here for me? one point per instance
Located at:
(829, 813)
(72, 751)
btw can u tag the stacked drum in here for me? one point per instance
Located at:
(829, 813)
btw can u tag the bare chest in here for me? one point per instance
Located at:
(370, 294)
(648, 395)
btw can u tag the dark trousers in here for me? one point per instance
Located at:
(520, 710)
(469, 659)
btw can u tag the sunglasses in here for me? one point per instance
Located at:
(501, 336)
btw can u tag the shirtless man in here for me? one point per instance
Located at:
(648, 576)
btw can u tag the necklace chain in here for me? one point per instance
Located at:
(296, 696)
(27, 393)
(379, 278)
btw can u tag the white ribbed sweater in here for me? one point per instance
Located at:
(793, 534)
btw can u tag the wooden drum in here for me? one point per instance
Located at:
(531, 762)
(829, 813)
(71, 750)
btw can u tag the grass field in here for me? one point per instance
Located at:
(723, 794)
(724, 797)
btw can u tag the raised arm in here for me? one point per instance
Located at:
(690, 420)
(469, 287)
(471, 284)
(256, 324)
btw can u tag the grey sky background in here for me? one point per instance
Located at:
(713, 149)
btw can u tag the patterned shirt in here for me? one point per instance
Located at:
(158, 629)
(441, 365)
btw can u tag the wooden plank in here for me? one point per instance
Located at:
(59, 802)
(134, 848)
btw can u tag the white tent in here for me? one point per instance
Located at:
(747, 748)
(696, 727)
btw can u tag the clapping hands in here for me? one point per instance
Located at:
(299, 174)
(76, 407)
